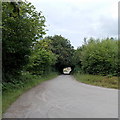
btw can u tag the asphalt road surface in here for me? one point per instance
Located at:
(64, 97)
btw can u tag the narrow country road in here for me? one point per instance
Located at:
(64, 97)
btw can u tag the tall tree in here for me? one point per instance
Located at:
(21, 27)
(63, 49)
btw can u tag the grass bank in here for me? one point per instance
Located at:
(12, 92)
(97, 80)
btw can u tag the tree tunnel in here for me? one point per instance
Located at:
(60, 67)
(62, 47)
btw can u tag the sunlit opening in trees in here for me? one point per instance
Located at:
(67, 70)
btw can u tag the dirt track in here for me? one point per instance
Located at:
(64, 97)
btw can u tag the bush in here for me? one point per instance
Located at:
(99, 57)
(41, 62)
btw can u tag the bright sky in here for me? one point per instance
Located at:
(76, 19)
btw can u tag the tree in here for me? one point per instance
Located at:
(42, 58)
(41, 62)
(63, 49)
(77, 59)
(21, 26)
(99, 56)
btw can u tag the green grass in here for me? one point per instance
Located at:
(11, 94)
(97, 80)
(0, 105)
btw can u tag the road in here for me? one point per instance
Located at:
(64, 97)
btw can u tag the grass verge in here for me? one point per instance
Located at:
(12, 93)
(97, 80)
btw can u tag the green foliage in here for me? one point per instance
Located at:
(41, 61)
(42, 58)
(21, 26)
(64, 51)
(51, 52)
(43, 44)
(99, 57)
(77, 60)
